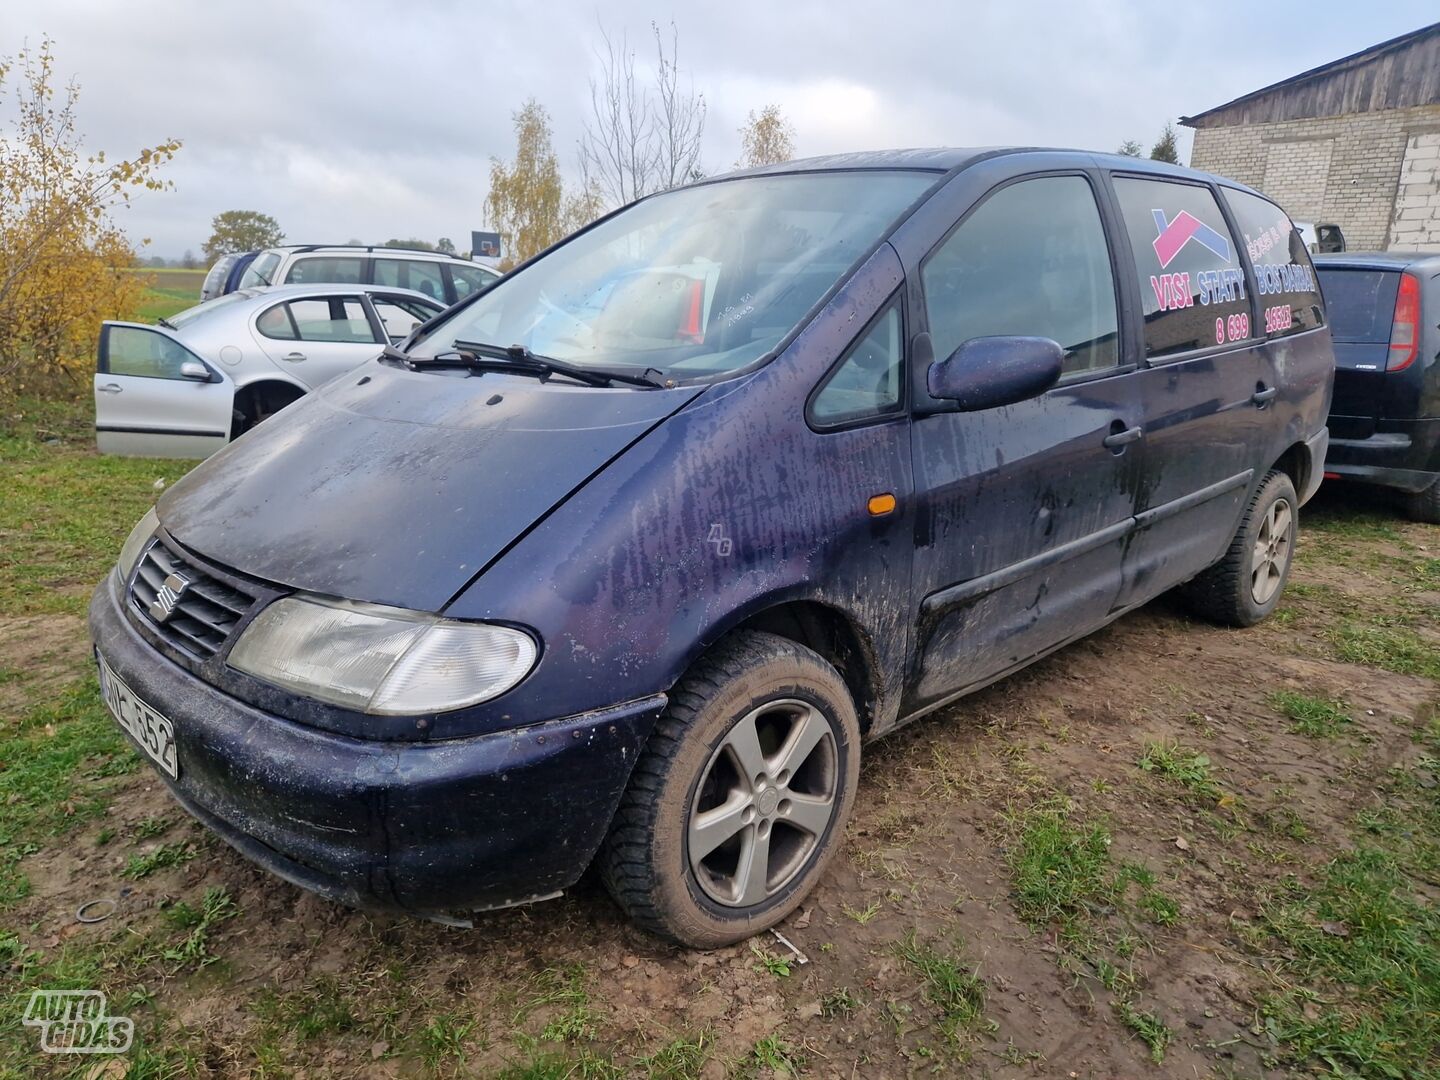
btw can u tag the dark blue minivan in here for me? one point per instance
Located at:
(623, 560)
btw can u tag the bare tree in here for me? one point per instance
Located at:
(640, 138)
(679, 117)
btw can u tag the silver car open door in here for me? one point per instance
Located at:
(156, 398)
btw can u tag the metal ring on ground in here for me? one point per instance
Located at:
(80, 912)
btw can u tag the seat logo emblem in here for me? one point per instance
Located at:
(169, 595)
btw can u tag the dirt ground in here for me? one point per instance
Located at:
(566, 988)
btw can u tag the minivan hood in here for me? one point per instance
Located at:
(398, 487)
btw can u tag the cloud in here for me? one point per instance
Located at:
(377, 118)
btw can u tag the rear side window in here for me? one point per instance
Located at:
(1360, 303)
(333, 319)
(1192, 283)
(275, 323)
(419, 274)
(1289, 296)
(327, 270)
(469, 279)
(1031, 260)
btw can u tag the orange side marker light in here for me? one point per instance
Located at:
(880, 505)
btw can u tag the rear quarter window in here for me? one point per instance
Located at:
(1192, 282)
(1289, 297)
(1359, 303)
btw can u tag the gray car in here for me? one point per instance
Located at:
(186, 387)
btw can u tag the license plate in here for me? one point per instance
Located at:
(154, 733)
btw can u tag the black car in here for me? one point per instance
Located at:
(625, 557)
(1385, 417)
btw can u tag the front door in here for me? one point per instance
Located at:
(155, 398)
(1203, 384)
(318, 337)
(1023, 510)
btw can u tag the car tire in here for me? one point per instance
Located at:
(1424, 505)
(757, 753)
(1246, 584)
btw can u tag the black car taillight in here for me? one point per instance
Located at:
(1405, 328)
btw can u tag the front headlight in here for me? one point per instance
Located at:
(381, 660)
(135, 543)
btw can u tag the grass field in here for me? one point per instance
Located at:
(168, 291)
(1170, 850)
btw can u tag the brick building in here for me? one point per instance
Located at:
(1355, 142)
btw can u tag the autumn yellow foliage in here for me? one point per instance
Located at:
(62, 258)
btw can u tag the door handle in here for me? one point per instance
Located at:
(110, 388)
(1121, 437)
(1263, 394)
(293, 357)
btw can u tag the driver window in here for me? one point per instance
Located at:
(867, 381)
(1031, 260)
(133, 350)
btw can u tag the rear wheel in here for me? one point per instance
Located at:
(1424, 505)
(741, 796)
(1246, 584)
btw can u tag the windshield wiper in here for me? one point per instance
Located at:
(520, 356)
(167, 324)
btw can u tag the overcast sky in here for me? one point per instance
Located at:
(372, 118)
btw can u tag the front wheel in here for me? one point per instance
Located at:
(740, 797)
(1245, 585)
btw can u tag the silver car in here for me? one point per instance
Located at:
(188, 386)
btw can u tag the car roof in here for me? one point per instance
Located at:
(365, 249)
(1379, 260)
(955, 158)
(321, 288)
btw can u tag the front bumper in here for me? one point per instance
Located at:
(1403, 454)
(427, 828)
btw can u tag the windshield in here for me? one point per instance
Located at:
(696, 282)
(261, 271)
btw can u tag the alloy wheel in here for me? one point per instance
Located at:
(1271, 555)
(765, 799)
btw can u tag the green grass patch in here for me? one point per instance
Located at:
(1189, 768)
(1148, 1027)
(1060, 866)
(1364, 945)
(162, 858)
(1319, 718)
(320, 1009)
(950, 986)
(60, 763)
(1387, 646)
(192, 952)
(66, 509)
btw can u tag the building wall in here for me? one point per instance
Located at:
(1342, 169)
(1416, 224)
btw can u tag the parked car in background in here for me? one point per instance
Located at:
(224, 276)
(826, 446)
(188, 386)
(447, 278)
(1385, 419)
(1320, 239)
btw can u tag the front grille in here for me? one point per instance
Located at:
(206, 611)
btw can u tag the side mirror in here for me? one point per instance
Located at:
(190, 369)
(987, 372)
